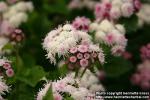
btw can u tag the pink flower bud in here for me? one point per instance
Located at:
(73, 59)
(6, 65)
(84, 63)
(9, 72)
(73, 50)
(82, 48)
(79, 56)
(86, 56)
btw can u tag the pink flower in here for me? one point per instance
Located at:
(110, 38)
(57, 96)
(79, 56)
(127, 9)
(108, 6)
(84, 62)
(6, 65)
(73, 59)
(9, 72)
(145, 85)
(86, 55)
(73, 50)
(137, 5)
(145, 52)
(81, 23)
(115, 13)
(82, 48)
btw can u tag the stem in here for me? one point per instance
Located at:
(83, 72)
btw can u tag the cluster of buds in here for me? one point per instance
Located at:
(17, 35)
(85, 54)
(81, 23)
(142, 76)
(5, 68)
(145, 52)
(114, 9)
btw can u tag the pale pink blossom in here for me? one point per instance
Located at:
(73, 50)
(79, 56)
(101, 57)
(81, 23)
(82, 48)
(73, 59)
(84, 62)
(127, 9)
(57, 96)
(142, 77)
(145, 52)
(137, 5)
(6, 65)
(9, 72)
(86, 55)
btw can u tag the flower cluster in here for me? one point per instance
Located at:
(81, 23)
(60, 41)
(85, 54)
(110, 34)
(143, 13)
(78, 4)
(78, 88)
(142, 76)
(145, 52)
(5, 68)
(114, 9)
(3, 88)
(17, 13)
(12, 14)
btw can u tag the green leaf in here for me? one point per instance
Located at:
(63, 70)
(8, 46)
(49, 95)
(117, 66)
(31, 76)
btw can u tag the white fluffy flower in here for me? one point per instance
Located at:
(3, 88)
(142, 15)
(59, 41)
(127, 9)
(17, 19)
(105, 26)
(43, 92)
(3, 42)
(78, 88)
(16, 14)
(115, 13)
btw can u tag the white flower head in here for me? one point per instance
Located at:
(59, 41)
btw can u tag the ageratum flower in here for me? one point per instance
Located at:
(78, 88)
(110, 34)
(114, 9)
(3, 88)
(60, 41)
